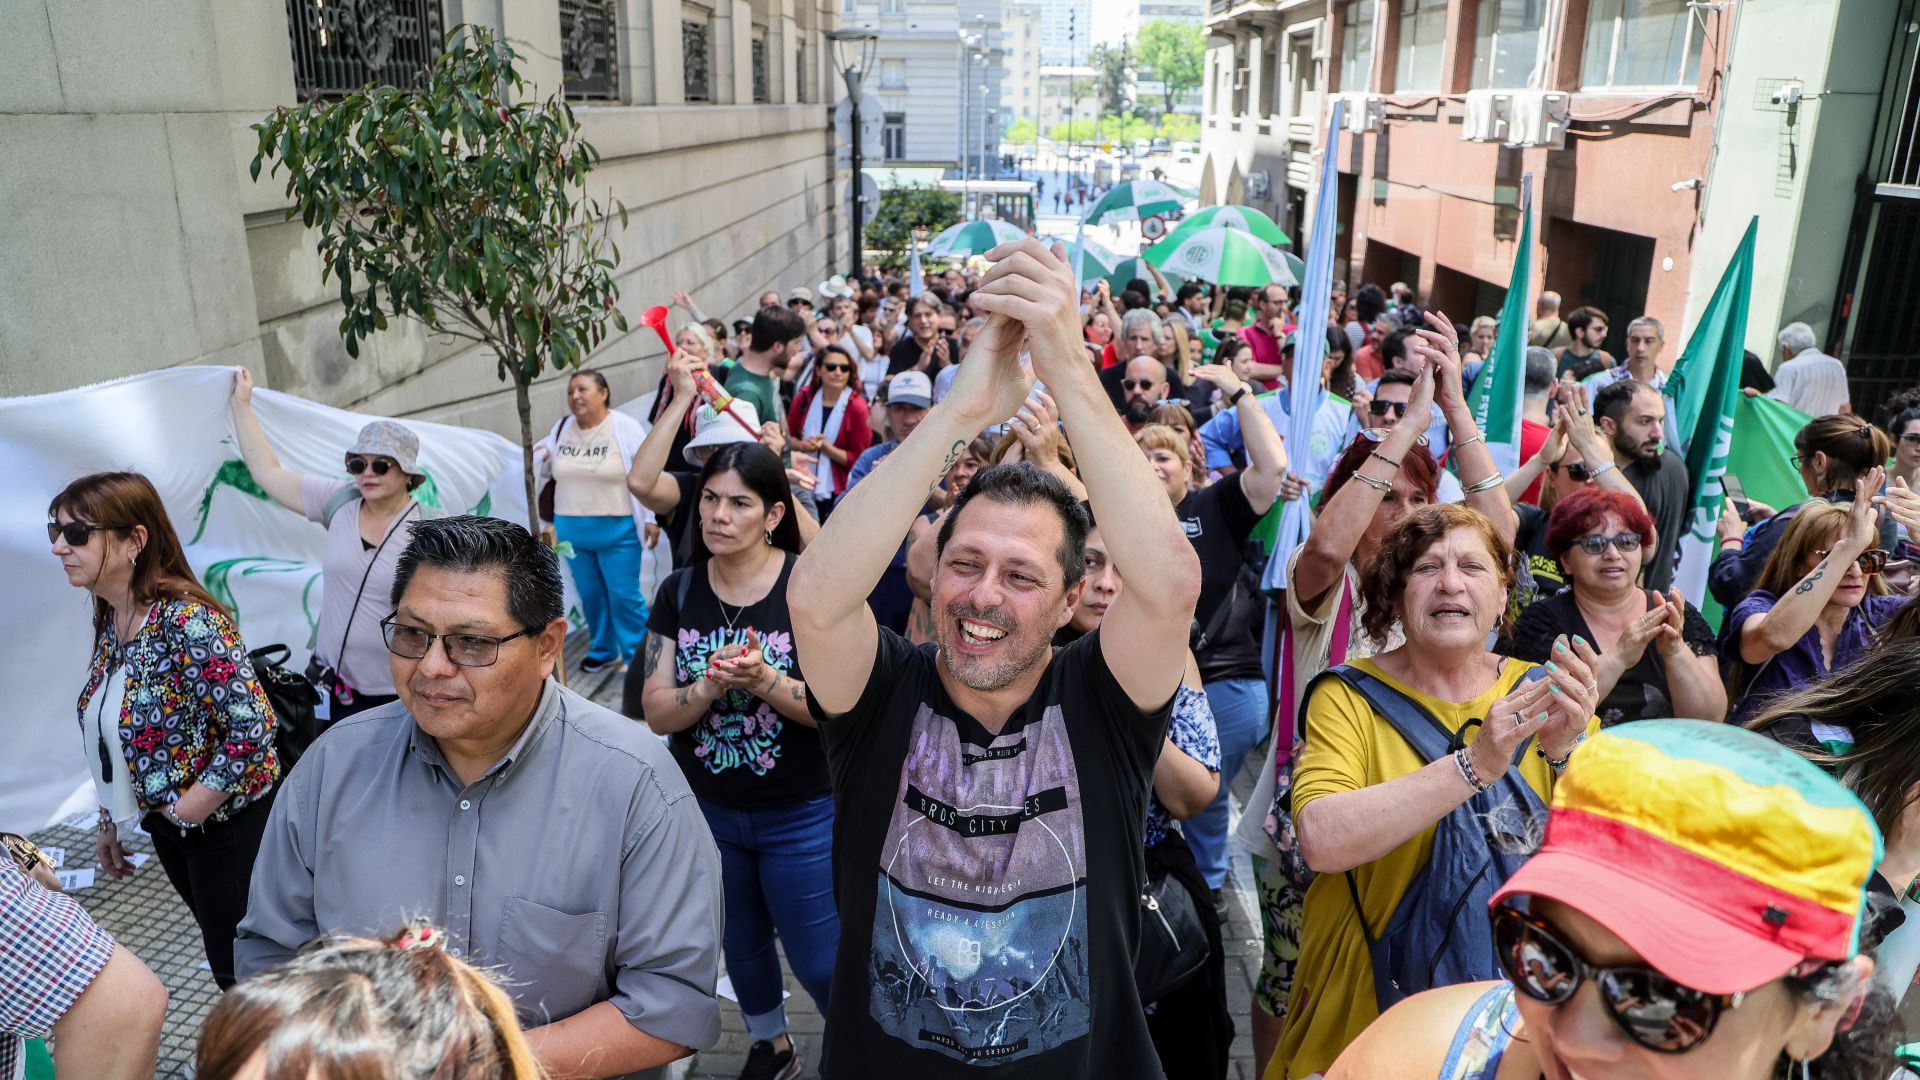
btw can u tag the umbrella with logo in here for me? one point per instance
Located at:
(1133, 266)
(1094, 262)
(1223, 256)
(1134, 199)
(972, 238)
(1244, 218)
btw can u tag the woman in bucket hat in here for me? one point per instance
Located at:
(369, 517)
(1695, 911)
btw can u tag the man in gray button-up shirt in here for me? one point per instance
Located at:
(554, 840)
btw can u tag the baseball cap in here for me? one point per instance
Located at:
(714, 428)
(1720, 856)
(800, 292)
(384, 438)
(911, 388)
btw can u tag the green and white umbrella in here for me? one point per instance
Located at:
(1132, 267)
(1095, 261)
(971, 238)
(1226, 257)
(1133, 200)
(1245, 218)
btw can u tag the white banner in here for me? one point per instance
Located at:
(251, 552)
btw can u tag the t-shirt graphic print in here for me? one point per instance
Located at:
(980, 923)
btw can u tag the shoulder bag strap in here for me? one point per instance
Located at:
(1219, 619)
(341, 655)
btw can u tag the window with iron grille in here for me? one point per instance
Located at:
(340, 46)
(589, 51)
(759, 69)
(696, 49)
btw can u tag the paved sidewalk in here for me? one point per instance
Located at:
(145, 914)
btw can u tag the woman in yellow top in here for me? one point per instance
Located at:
(1364, 801)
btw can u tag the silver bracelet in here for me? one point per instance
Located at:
(1467, 773)
(1491, 482)
(1382, 486)
(1597, 473)
(1464, 443)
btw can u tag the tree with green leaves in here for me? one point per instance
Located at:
(904, 209)
(1021, 131)
(1176, 54)
(1112, 77)
(460, 205)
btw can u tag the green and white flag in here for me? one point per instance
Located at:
(1704, 390)
(1498, 393)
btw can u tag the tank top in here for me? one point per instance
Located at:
(1482, 1037)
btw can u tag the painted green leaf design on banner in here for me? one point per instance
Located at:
(232, 473)
(218, 580)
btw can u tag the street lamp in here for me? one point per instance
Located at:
(969, 52)
(853, 49)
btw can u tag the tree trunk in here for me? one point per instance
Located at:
(523, 402)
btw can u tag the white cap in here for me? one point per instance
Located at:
(713, 428)
(911, 388)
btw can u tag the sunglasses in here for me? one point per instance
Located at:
(1625, 543)
(1647, 1006)
(836, 367)
(466, 650)
(75, 533)
(380, 466)
(1379, 408)
(1576, 471)
(1138, 384)
(1870, 562)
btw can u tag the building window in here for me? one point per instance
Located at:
(1356, 46)
(893, 137)
(696, 53)
(588, 48)
(893, 74)
(337, 50)
(849, 7)
(760, 69)
(1635, 43)
(800, 90)
(1423, 33)
(1506, 44)
(893, 7)
(1300, 82)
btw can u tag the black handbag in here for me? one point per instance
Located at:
(1173, 941)
(294, 701)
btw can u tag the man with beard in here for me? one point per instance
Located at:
(990, 792)
(1143, 387)
(1631, 413)
(1139, 337)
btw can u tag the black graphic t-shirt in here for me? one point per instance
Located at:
(1000, 876)
(742, 753)
(1219, 523)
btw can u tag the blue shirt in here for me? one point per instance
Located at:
(867, 460)
(1801, 663)
(1193, 731)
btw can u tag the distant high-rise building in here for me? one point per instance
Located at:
(1066, 31)
(1021, 41)
(1139, 12)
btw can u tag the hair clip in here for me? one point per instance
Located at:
(420, 937)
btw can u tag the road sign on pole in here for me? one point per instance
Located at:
(872, 120)
(1153, 228)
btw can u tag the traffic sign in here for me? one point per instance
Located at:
(873, 121)
(1153, 228)
(869, 194)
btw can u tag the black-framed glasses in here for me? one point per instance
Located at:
(380, 466)
(1647, 1006)
(1379, 408)
(1911, 438)
(1596, 544)
(1577, 471)
(1871, 561)
(75, 533)
(836, 367)
(1139, 384)
(466, 650)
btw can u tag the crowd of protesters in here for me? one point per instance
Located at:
(970, 636)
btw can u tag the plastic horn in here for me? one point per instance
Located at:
(656, 317)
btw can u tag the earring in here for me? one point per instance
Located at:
(769, 536)
(1806, 1070)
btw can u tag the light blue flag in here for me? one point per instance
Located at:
(916, 281)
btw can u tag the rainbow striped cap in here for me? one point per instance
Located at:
(1721, 857)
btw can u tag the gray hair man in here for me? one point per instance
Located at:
(1808, 379)
(550, 838)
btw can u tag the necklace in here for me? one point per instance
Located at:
(738, 610)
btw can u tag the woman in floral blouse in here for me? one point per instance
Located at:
(177, 732)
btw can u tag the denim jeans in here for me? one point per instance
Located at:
(776, 869)
(1241, 715)
(606, 571)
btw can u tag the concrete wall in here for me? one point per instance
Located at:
(132, 239)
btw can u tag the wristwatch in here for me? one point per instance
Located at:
(1234, 398)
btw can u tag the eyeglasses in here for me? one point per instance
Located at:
(1139, 384)
(1647, 1006)
(1912, 438)
(1577, 471)
(380, 466)
(466, 650)
(1798, 462)
(836, 367)
(1596, 544)
(1379, 408)
(76, 533)
(1870, 562)
(828, 328)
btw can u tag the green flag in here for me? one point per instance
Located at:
(1704, 390)
(1496, 396)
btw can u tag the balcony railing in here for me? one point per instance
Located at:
(340, 47)
(696, 50)
(589, 48)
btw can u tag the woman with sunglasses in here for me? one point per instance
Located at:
(369, 518)
(830, 420)
(1816, 605)
(1575, 457)
(1654, 937)
(1658, 656)
(178, 733)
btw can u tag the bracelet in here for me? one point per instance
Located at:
(1383, 457)
(1234, 398)
(1472, 778)
(1595, 474)
(1464, 443)
(1557, 764)
(1381, 486)
(1491, 482)
(173, 818)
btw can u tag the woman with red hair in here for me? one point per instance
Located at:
(1658, 657)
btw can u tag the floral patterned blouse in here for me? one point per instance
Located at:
(193, 710)
(1193, 731)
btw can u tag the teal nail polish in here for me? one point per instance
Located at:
(1542, 716)
(1559, 646)
(1578, 640)
(1551, 666)
(1553, 687)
